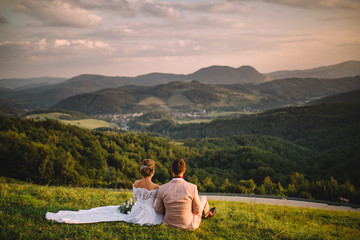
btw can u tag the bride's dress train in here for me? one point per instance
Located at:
(142, 212)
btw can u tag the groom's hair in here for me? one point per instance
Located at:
(178, 166)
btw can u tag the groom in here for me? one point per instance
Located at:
(179, 201)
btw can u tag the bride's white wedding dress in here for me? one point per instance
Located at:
(142, 212)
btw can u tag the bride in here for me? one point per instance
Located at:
(143, 213)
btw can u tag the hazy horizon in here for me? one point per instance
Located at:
(66, 38)
(158, 72)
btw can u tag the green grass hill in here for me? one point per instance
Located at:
(23, 209)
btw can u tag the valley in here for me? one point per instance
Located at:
(295, 137)
(220, 86)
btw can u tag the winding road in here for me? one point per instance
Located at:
(283, 202)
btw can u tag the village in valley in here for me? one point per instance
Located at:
(121, 120)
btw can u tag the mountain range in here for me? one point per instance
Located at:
(37, 93)
(194, 95)
(212, 74)
(28, 83)
(344, 69)
(45, 96)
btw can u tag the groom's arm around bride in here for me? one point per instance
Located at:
(179, 201)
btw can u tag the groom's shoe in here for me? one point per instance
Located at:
(211, 213)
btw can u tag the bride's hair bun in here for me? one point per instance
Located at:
(147, 167)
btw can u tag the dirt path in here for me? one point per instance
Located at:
(283, 202)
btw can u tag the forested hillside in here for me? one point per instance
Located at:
(347, 97)
(319, 127)
(195, 95)
(330, 131)
(48, 152)
(11, 108)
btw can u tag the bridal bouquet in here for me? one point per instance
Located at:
(126, 206)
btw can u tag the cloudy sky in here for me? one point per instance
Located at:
(65, 38)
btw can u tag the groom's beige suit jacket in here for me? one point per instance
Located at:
(179, 201)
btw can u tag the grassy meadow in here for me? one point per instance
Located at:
(228, 114)
(194, 121)
(63, 117)
(178, 99)
(151, 101)
(89, 123)
(23, 208)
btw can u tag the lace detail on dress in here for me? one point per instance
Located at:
(144, 194)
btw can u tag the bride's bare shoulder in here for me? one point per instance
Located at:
(137, 184)
(145, 184)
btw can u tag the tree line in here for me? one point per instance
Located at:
(51, 153)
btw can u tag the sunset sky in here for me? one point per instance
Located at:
(65, 38)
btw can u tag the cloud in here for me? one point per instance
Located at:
(58, 47)
(39, 58)
(336, 18)
(81, 44)
(313, 4)
(159, 10)
(119, 7)
(215, 7)
(11, 52)
(57, 13)
(95, 32)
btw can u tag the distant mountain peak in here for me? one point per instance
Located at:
(341, 70)
(246, 67)
(214, 67)
(228, 75)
